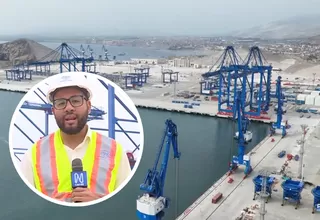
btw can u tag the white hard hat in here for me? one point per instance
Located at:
(70, 79)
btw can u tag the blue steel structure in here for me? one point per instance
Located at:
(242, 122)
(67, 57)
(96, 114)
(134, 79)
(138, 78)
(209, 86)
(235, 74)
(114, 121)
(143, 70)
(257, 64)
(316, 201)
(152, 204)
(280, 98)
(19, 73)
(231, 76)
(173, 76)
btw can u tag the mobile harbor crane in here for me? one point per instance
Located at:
(151, 205)
(279, 124)
(242, 121)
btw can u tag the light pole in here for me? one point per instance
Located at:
(264, 194)
(304, 132)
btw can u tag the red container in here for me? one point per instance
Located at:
(216, 198)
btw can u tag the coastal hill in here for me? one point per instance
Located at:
(297, 27)
(20, 51)
(314, 39)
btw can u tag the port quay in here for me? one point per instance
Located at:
(283, 176)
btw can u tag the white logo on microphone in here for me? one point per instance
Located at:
(78, 178)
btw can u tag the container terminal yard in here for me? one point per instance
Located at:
(282, 172)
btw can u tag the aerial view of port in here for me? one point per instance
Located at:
(228, 94)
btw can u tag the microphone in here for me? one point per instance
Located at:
(78, 176)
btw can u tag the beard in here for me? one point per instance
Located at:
(81, 122)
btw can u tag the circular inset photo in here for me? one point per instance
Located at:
(76, 139)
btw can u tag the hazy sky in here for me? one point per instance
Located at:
(133, 17)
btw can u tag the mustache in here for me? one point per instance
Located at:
(70, 114)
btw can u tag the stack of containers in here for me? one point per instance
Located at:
(290, 96)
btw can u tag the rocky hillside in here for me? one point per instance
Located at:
(314, 39)
(295, 27)
(20, 51)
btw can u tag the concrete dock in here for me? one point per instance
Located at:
(238, 195)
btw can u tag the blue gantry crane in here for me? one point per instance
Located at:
(279, 124)
(67, 57)
(235, 74)
(151, 205)
(95, 114)
(259, 100)
(242, 122)
(231, 76)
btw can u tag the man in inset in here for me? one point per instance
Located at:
(47, 165)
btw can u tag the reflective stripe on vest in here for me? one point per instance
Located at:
(52, 167)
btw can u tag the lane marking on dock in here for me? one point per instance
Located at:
(221, 181)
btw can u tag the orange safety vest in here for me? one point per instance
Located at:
(52, 167)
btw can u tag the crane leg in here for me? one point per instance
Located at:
(232, 168)
(160, 215)
(247, 171)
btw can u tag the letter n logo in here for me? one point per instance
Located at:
(78, 178)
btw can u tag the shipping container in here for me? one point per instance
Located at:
(300, 102)
(315, 93)
(317, 101)
(313, 110)
(301, 97)
(310, 99)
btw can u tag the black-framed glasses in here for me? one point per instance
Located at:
(75, 101)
